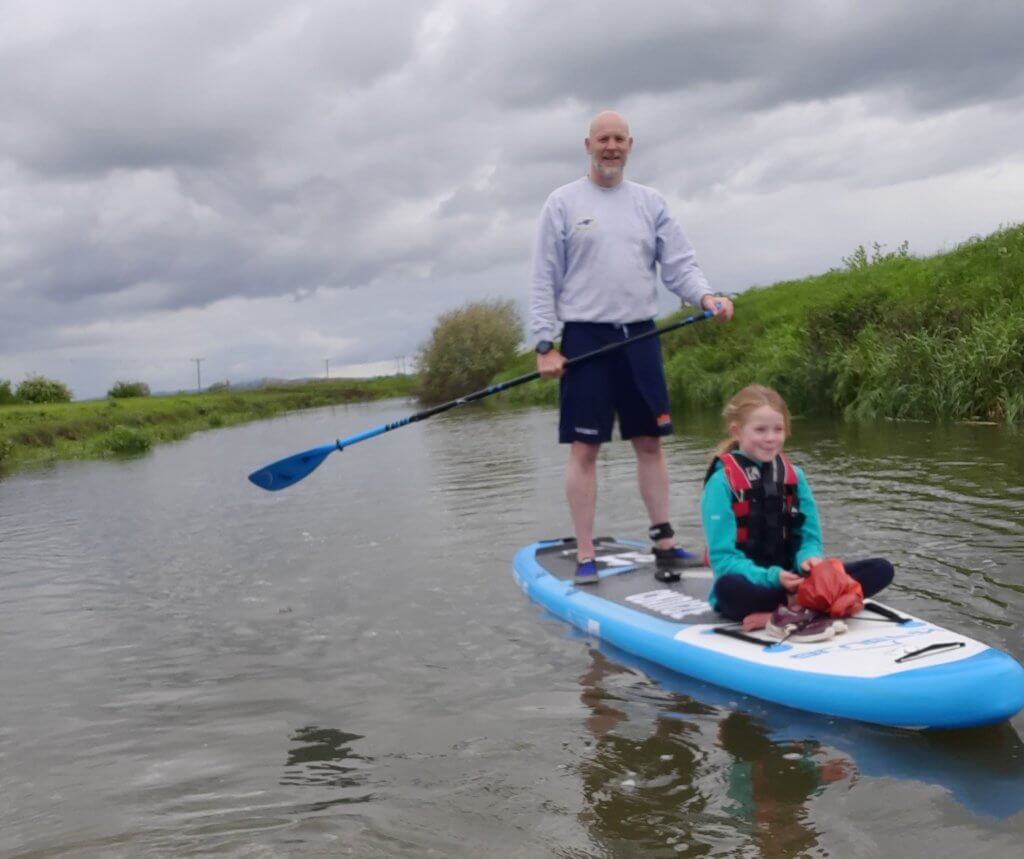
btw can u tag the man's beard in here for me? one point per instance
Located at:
(609, 171)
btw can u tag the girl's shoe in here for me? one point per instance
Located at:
(799, 624)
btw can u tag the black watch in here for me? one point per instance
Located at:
(544, 346)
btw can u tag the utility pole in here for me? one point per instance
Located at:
(199, 379)
(327, 371)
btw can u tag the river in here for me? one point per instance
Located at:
(192, 666)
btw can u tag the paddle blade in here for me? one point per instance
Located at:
(283, 473)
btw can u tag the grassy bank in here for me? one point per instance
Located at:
(935, 338)
(81, 430)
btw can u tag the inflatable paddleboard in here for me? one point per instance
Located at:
(888, 668)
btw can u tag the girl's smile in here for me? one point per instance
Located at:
(762, 435)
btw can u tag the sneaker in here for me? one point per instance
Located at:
(586, 573)
(675, 558)
(800, 624)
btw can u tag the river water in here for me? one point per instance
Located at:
(191, 666)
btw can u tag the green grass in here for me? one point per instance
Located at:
(99, 428)
(935, 338)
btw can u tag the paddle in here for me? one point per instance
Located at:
(285, 472)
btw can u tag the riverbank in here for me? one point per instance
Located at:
(889, 336)
(99, 428)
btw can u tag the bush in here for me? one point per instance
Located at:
(467, 348)
(39, 389)
(125, 440)
(123, 390)
(6, 394)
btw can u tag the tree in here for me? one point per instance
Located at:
(123, 390)
(39, 389)
(467, 347)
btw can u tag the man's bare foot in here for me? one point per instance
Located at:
(756, 620)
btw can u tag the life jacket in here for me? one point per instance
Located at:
(765, 506)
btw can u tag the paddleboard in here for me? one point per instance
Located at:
(909, 674)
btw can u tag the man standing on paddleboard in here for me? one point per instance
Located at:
(599, 244)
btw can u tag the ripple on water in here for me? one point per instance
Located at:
(347, 668)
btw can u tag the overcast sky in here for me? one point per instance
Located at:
(268, 185)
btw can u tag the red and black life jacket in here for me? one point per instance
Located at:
(765, 505)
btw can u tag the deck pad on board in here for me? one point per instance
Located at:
(627, 578)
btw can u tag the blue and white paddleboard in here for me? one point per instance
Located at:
(909, 674)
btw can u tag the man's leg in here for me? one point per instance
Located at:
(652, 477)
(581, 491)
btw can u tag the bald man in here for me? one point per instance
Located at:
(600, 244)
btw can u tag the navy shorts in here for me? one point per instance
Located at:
(628, 382)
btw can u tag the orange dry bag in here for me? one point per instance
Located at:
(829, 588)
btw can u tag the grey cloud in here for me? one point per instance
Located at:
(168, 156)
(194, 84)
(937, 53)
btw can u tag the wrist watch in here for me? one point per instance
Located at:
(544, 346)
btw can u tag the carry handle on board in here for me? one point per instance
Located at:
(290, 470)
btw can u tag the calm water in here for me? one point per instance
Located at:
(191, 666)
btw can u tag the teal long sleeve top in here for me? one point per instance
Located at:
(720, 532)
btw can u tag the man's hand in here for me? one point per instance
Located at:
(808, 563)
(719, 305)
(551, 365)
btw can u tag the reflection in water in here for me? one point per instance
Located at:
(637, 791)
(770, 783)
(981, 769)
(323, 757)
(670, 793)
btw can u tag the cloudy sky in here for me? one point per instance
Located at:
(267, 185)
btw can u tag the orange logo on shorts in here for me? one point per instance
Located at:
(664, 420)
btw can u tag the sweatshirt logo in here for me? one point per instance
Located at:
(585, 223)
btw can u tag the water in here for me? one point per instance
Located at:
(191, 666)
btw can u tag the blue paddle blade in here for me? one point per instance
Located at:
(283, 473)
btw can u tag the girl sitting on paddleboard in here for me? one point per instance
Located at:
(762, 527)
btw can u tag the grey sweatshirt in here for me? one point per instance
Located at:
(596, 254)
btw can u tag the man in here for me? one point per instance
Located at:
(599, 241)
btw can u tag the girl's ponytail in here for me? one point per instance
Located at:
(725, 446)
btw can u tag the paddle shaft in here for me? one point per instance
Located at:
(519, 380)
(290, 470)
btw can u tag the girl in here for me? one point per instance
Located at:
(761, 523)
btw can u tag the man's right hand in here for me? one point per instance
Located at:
(551, 365)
